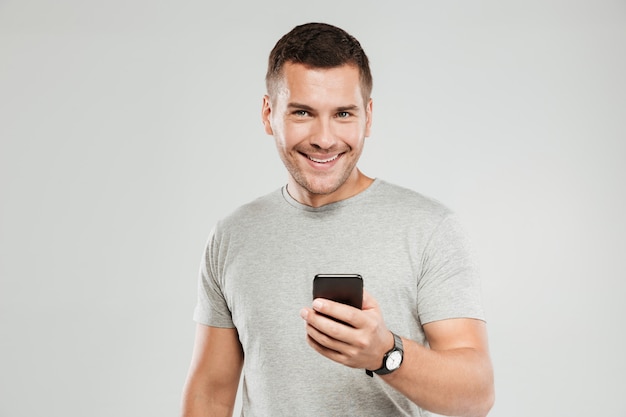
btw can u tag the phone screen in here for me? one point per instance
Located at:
(343, 288)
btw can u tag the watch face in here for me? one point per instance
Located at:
(393, 360)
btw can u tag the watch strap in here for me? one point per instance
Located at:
(383, 370)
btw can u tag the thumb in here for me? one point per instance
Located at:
(369, 302)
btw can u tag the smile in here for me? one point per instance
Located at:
(323, 161)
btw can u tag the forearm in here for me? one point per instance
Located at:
(202, 401)
(213, 378)
(451, 382)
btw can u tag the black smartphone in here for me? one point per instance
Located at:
(343, 288)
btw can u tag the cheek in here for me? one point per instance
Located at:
(351, 132)
(294, 133)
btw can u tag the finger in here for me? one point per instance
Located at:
(331, 348)
(324, 351)
(327, 330)
(338, 311)
(325, 341)
(330, 326)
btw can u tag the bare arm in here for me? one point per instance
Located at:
(214, 373)
(452, 377)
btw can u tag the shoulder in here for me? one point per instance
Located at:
(401, 200)
(257, 211)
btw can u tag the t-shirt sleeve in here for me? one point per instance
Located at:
(211, 307)
(449, 285)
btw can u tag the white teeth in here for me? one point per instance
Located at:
(323, 161)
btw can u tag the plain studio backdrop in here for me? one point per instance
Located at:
(128, 128)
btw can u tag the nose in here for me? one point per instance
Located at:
(323, 135)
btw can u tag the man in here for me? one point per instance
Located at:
(256, 275)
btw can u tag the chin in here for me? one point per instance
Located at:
(321, 188)
(319, 184)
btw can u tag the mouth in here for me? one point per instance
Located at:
(323, 161)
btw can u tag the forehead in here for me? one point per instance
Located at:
(299, 82)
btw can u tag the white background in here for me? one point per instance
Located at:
(127, 128)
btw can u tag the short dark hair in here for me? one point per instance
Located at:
(319, 45)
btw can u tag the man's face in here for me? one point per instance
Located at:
(319, 121)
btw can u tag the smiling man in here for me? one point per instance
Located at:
(319, 118)
(421, 328)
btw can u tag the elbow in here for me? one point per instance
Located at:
(487, 393)
(486, 402)
(481, 401)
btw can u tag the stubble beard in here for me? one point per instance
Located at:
(322, 183)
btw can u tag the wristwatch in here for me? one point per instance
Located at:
(392, 359)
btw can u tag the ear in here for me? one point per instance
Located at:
(266, 111)
(368, 116)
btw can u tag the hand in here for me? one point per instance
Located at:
(360, 341)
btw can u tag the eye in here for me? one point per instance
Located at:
(301, 113)
(343, 114)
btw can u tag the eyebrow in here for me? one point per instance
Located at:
(306, 107)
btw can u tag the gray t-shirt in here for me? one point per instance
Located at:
(257, 274)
